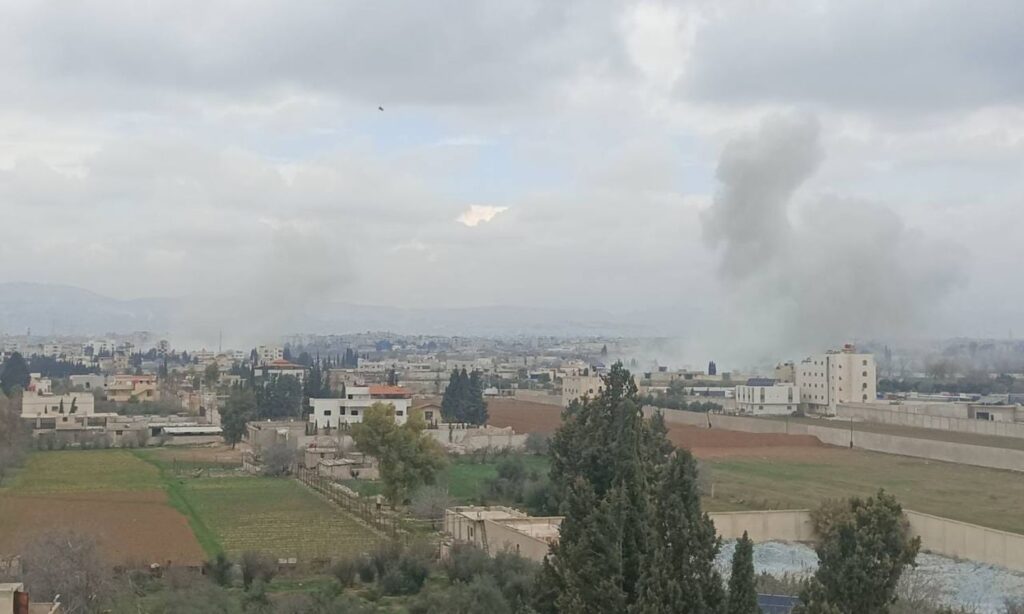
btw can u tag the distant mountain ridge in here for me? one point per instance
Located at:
(55, 309)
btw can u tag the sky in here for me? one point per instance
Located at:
(763, 172)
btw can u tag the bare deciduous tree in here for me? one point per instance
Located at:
(67, 566)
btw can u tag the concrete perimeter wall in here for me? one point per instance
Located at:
(775, 525)
(938, 535)
(967, 454)
(968, 541)
(919, 420)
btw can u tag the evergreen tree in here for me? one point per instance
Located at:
(864, 548)
(606, 444)
(239, 409)
(742, 587)
(476, 406)
(15, 374)
(679, 574)
(450, 400)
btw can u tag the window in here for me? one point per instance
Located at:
(864, 362)
(327, 412)
(399, 413)
(864, 374)
(355, 412)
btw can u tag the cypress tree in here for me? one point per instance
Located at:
(742, 589)
(606, 444)
(450, 401)
(15, 374)
(679, 574)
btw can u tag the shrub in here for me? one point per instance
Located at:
(406, 577)
(257, 566)
(537, 443)
(465, 562)
(219, 569)
(344, 571)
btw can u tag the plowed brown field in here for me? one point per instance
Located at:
(526, 417)
(136, 527)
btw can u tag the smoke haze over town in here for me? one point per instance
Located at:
(687, 170)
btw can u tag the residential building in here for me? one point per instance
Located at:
(269, 353)
(577, 386)
(281, 367)
(89, 382)
(132, 388)
(333, 413)
(766, 397)
(77, 403)
(14, 600)
(838, 376)
(39, 384)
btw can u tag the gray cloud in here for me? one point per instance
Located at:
(880, 57)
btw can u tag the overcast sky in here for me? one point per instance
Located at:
(698, 159)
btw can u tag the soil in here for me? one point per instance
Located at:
(526, 417)
(131, 527)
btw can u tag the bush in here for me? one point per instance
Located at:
(257, 566)
(537, 443)
(219, 569)
(366, 570)
(345, 570)
(465, 562)
(512, 469)
(406, 577)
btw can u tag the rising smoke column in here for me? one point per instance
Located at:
(807, 272)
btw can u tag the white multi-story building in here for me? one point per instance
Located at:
(767, 398)
(332, 413)
(74, 403)
(840, 376)
(576, 386)
(269, 353)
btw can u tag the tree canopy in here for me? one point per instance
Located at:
(15, 374)
(463, 399)
(865, 545)
(408, 458)
(634, 537)
(239, 409)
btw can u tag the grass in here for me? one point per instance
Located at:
(465, 479)
(988, 497)
(275, 515)
(85, 470)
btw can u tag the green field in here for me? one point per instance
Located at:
(987, 497)
(275, 515)
(465, 479)
(85, 470)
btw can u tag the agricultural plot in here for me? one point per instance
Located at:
(85, 470)
(805, 477)
(110, 495)
(275, 515)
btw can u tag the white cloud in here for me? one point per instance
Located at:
(479, 214)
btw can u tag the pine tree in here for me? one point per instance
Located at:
(679, 573)
(742, 589)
